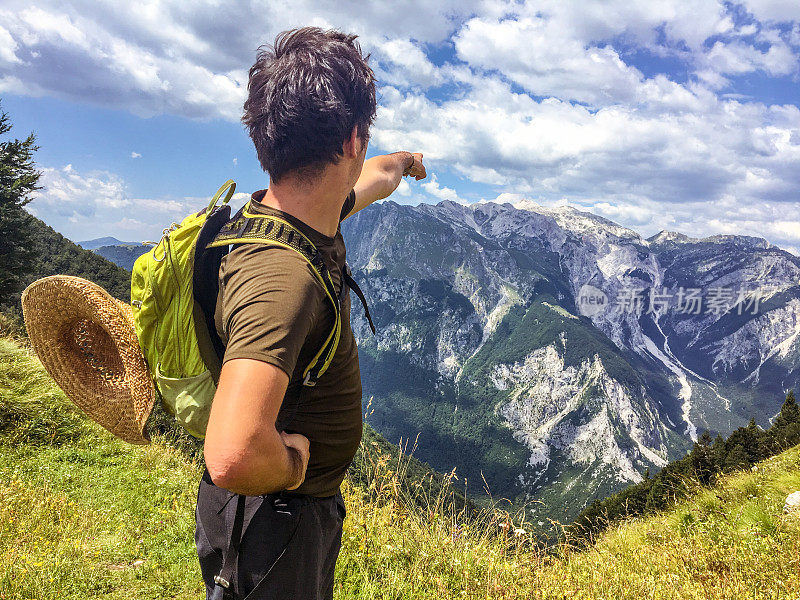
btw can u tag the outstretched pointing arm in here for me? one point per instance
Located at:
(381, 175)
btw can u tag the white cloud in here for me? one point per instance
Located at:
(403, 63)
(639, 21)
(439, 192)
(176, 58)
(528, 52)
(8, 47)
(135, 155)
(773, 10)
(74, 55)
(68, 193)
(187, 59)
(771, 220)
(88, 205)
(403, 189)
(625, 157)
(736, 58)
(540, 98)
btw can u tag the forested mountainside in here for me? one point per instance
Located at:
(56, 255)
(123, 255)
(552, 355)
(708, 461)
(103, 241)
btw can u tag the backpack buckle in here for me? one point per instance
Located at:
(221, 581)
(307, 381)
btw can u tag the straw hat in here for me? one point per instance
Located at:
(86, 342)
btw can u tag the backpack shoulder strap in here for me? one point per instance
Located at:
(249, 228)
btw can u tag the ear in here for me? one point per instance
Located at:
(352, 145)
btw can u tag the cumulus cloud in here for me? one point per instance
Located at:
(773, 10)
(85, 205)
(527, 52)
(70, 194)
(172, 57)
(736, 58)
(440, 192)
(554, 147)
(68, 53)
(544, 99)
(404, 63)
(771, 220)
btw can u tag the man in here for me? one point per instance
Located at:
(310, 105)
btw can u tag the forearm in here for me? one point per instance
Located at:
(381, 175)
(266, 466)
(388, 170)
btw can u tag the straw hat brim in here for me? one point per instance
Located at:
(85, 339)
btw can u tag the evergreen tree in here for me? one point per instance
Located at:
(718, 451)
(658, 496)
(748, 440)
(736, 459)
(18, 181)
(702, 459)
(785, 430)
(790, 412)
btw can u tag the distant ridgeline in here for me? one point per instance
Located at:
(709, 458)
(123, 254)
(56, 255)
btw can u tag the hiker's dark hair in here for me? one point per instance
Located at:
(306, 93)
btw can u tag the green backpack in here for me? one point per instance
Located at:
(173, 294)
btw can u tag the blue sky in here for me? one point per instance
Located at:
(649, 113)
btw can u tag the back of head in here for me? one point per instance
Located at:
(306, 93)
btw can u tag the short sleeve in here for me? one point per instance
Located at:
(271, 299)
(349, 203)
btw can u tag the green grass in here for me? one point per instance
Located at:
(78, 507)
(83, 515)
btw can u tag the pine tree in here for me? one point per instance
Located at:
(658, 496)
(718, 451)
(18, 181)
(790, 412)
(785, 430)
(702, 459)
(737, 458)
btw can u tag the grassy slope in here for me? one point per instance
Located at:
(77, 506)
(78, 509)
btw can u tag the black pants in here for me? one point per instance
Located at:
(289, 545)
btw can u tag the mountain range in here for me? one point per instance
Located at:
(120, 253)
(104, 241)
(553, 356)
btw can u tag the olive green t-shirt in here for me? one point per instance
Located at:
(272, 308)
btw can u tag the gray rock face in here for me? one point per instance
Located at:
(550, 352)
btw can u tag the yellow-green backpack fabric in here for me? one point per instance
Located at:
(164, 317)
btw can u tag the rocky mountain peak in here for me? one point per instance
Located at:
(487, 347)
